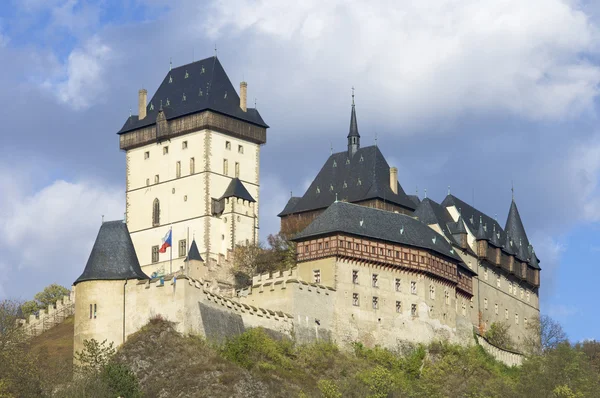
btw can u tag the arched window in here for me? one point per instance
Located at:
(156, 213)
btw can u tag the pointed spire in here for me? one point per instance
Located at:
(194, 253)
(514, 225)
(481, 235)
(353, 136)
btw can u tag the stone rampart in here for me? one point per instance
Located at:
(509, 358)
(48, 318)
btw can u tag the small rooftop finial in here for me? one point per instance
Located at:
(512, 190)
(254, 102)
(448, 189)
(417, 190)
(129, 111)
(102, 218)
(170, 63)
(352, 95)
(425, 193)
(291, 194)
(460, 211)
(330, 148)
(376, 138)
(336, 199)
(215, 50)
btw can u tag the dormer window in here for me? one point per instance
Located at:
(183, 98)
(170, 79)
(345, 185)
(348, 161)
(200, 92)
(318, 190)
(330, 188)
(334, 163)
(202, 70)
(187, 74)
(151, 106)
(225, 96)
(361, 158)
(168, 102)
(359, 182)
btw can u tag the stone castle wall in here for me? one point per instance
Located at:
(49, 317)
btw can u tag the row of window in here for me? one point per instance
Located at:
(177, 171)
(512, 288)
(496, 311)
(398, 285)
(182, 250)
(184, 145)
(375, 304)
(226, 168)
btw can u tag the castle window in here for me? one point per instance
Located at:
(154, 254)
(506, 314)
(317, 276)
(156, 179)
(510, 288)
(515, 290)
(464, 308)
(192, 165)
(349, 245)
(240, 149)
(95, 309)
(498, 282)
(447, 297)
(355, 277)
(399, 307)
(496, 308)
(326, 245)
(182, 248)
(237, 170)
(372, 249)
(306, 249)
(432, 292)
(414, 257)
(413, 287)
(485, 274)
(357, 246)
(156, 213)
(516, 319)
(525, 322)
(485, 304)
(91, 311)
(228, 145)
(334, 163)
(147, 155)
(184, 145)
(375, 302)
(522, 293)
(528, 296)
(147, 181)
(225, 167)
(406, 256)
(178, 169)
(165, 150)
(413, 310)
(355, 301)
(320, 246)
(348, 161)
(398, 285)
(397, 254)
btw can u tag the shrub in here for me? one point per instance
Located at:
(121, 380)
(255, 347)
(328, 389)
(94, 356)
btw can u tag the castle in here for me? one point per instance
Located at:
(373, 264)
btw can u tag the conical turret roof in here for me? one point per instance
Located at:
(113, 256)
(514, 225)
(194, 253)
(353, 132)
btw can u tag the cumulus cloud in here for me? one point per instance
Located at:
(585, 168)
(51, 230)
(82, 80)
(416, 60)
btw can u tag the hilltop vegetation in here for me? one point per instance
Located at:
(159, 362)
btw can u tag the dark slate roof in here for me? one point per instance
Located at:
(514, 225)
(458, 227)
(364, 175)
(353, 131)
(289, 207)
(431, 212)
(378, 224)
(113, 256)
(415, 199)
(237, 189)
(207, 87)
(194, 253)
(495, 239)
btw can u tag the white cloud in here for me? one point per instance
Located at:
(584, 168)
(52, 228)
(82, 81)
(550, 251)
(415, 60)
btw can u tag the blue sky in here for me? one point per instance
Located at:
(471, 94)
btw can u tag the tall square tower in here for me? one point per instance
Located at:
(192, 167)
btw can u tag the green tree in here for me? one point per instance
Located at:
(121, 381)
(94, 356)
(29, 307)
(498, 335)
(50, 295)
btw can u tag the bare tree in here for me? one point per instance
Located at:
(543, 333)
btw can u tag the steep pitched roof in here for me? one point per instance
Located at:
(364, 175)
(289, 207)
(237, 189)
(353, 131)
(113, 256)
(431, 212)
(378, 224)
(194, 253)
(201, 85)
(514, 225)
(415, 199)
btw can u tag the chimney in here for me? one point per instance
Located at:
(243, 95)
(142, 98)
(394, 179)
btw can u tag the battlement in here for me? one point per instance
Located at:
(48, 318)
(279, 281)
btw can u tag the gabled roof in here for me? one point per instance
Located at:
(194, 253)
(237, 189)
(113, 256)
(472, 218)
(431, 212)
(205, 86)
(354, 178)
(514, 225)
(378, 224)
(415, 199)
(289, 207)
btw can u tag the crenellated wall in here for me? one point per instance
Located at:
(49, 317)
(509, 358)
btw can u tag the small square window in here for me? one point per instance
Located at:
(355, 277)
(184, 145)
(147, 181)
(398, 285)
(240, 149)
(154, 254)
(432, 292)
(147, 155)
(182, 248)
(317, 276)
(165, 150)
(399, 307)
(355, 299)
(413, 287)
(506, 314)
(496, 308)
(192, 165)
(228, 145)
(375, 303)
(413, 309)
(485, 304)
(447, 297)
(156, 179)
(375, 280)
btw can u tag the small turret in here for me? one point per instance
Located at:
(353, 136)
(194, 263)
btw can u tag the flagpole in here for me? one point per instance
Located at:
(171, 252)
